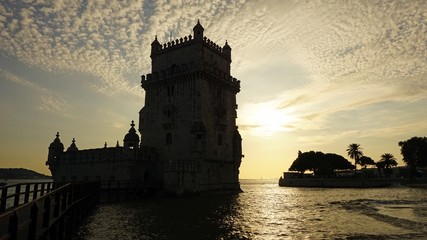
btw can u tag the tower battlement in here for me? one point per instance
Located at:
(188, 40)
(193, 52)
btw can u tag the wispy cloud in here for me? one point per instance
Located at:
(355, 53)
(49, 101)
(105, 39)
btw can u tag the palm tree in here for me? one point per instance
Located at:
(387, 161)
(354, 151)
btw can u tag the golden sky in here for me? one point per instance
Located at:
(315, 75)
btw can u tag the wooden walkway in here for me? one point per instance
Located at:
(45, 210)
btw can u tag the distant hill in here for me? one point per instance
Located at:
(20, 173)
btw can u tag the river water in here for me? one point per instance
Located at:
(266, 211)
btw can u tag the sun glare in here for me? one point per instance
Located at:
(266, 119)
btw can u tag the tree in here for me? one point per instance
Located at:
(414, 152)
(319, 163)
(354, 151)
(365, 161)
(307, 161)
(338, 162)
(387, 161)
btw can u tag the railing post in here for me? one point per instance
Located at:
(13, 226)
(49, 187)
(42, 189)
(64, 201)
(46, 214)
(35, 190)
(17, 195)
(3, 199)
(27, 193)
(57, 206)
(33, 225)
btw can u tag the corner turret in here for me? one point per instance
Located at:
(155, 47)
(198, 31)
(227, 50)
(56, 148)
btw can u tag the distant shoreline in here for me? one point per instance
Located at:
(21, 173)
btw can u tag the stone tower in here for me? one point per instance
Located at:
(189, 115)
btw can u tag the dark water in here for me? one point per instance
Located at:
(266, 211)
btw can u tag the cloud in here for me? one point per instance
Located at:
(105, 39)
(49, 101)
(341, 45)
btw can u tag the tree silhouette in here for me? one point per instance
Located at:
(307, 161)
(338, 162)
(354, 151)
(364, 161)
(319, 163)
(414, 152)
(387, 161)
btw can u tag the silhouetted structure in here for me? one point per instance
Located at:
(190, 141)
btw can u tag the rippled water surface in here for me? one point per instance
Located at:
(267, 211)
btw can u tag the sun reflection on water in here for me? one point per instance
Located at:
(262, 211)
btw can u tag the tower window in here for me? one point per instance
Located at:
(199, 136)
(168, 139)
(219, 140)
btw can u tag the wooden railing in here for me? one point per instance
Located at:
(52, 215)
(16, 194)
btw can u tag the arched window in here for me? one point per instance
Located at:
(219, 140)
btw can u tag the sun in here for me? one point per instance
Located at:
(265, 119)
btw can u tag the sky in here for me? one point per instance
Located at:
(315, 75)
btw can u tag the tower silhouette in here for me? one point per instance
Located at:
(189, 139)
(190, 114)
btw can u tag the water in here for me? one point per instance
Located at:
(267, 211)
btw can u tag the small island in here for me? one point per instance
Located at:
(334, 171)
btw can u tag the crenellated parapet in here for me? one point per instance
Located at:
(175, 43)
(159, 48)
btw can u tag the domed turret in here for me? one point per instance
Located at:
(131, 135)
(56, 144)
(56, 148)
(72, 147)
(131, 140)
